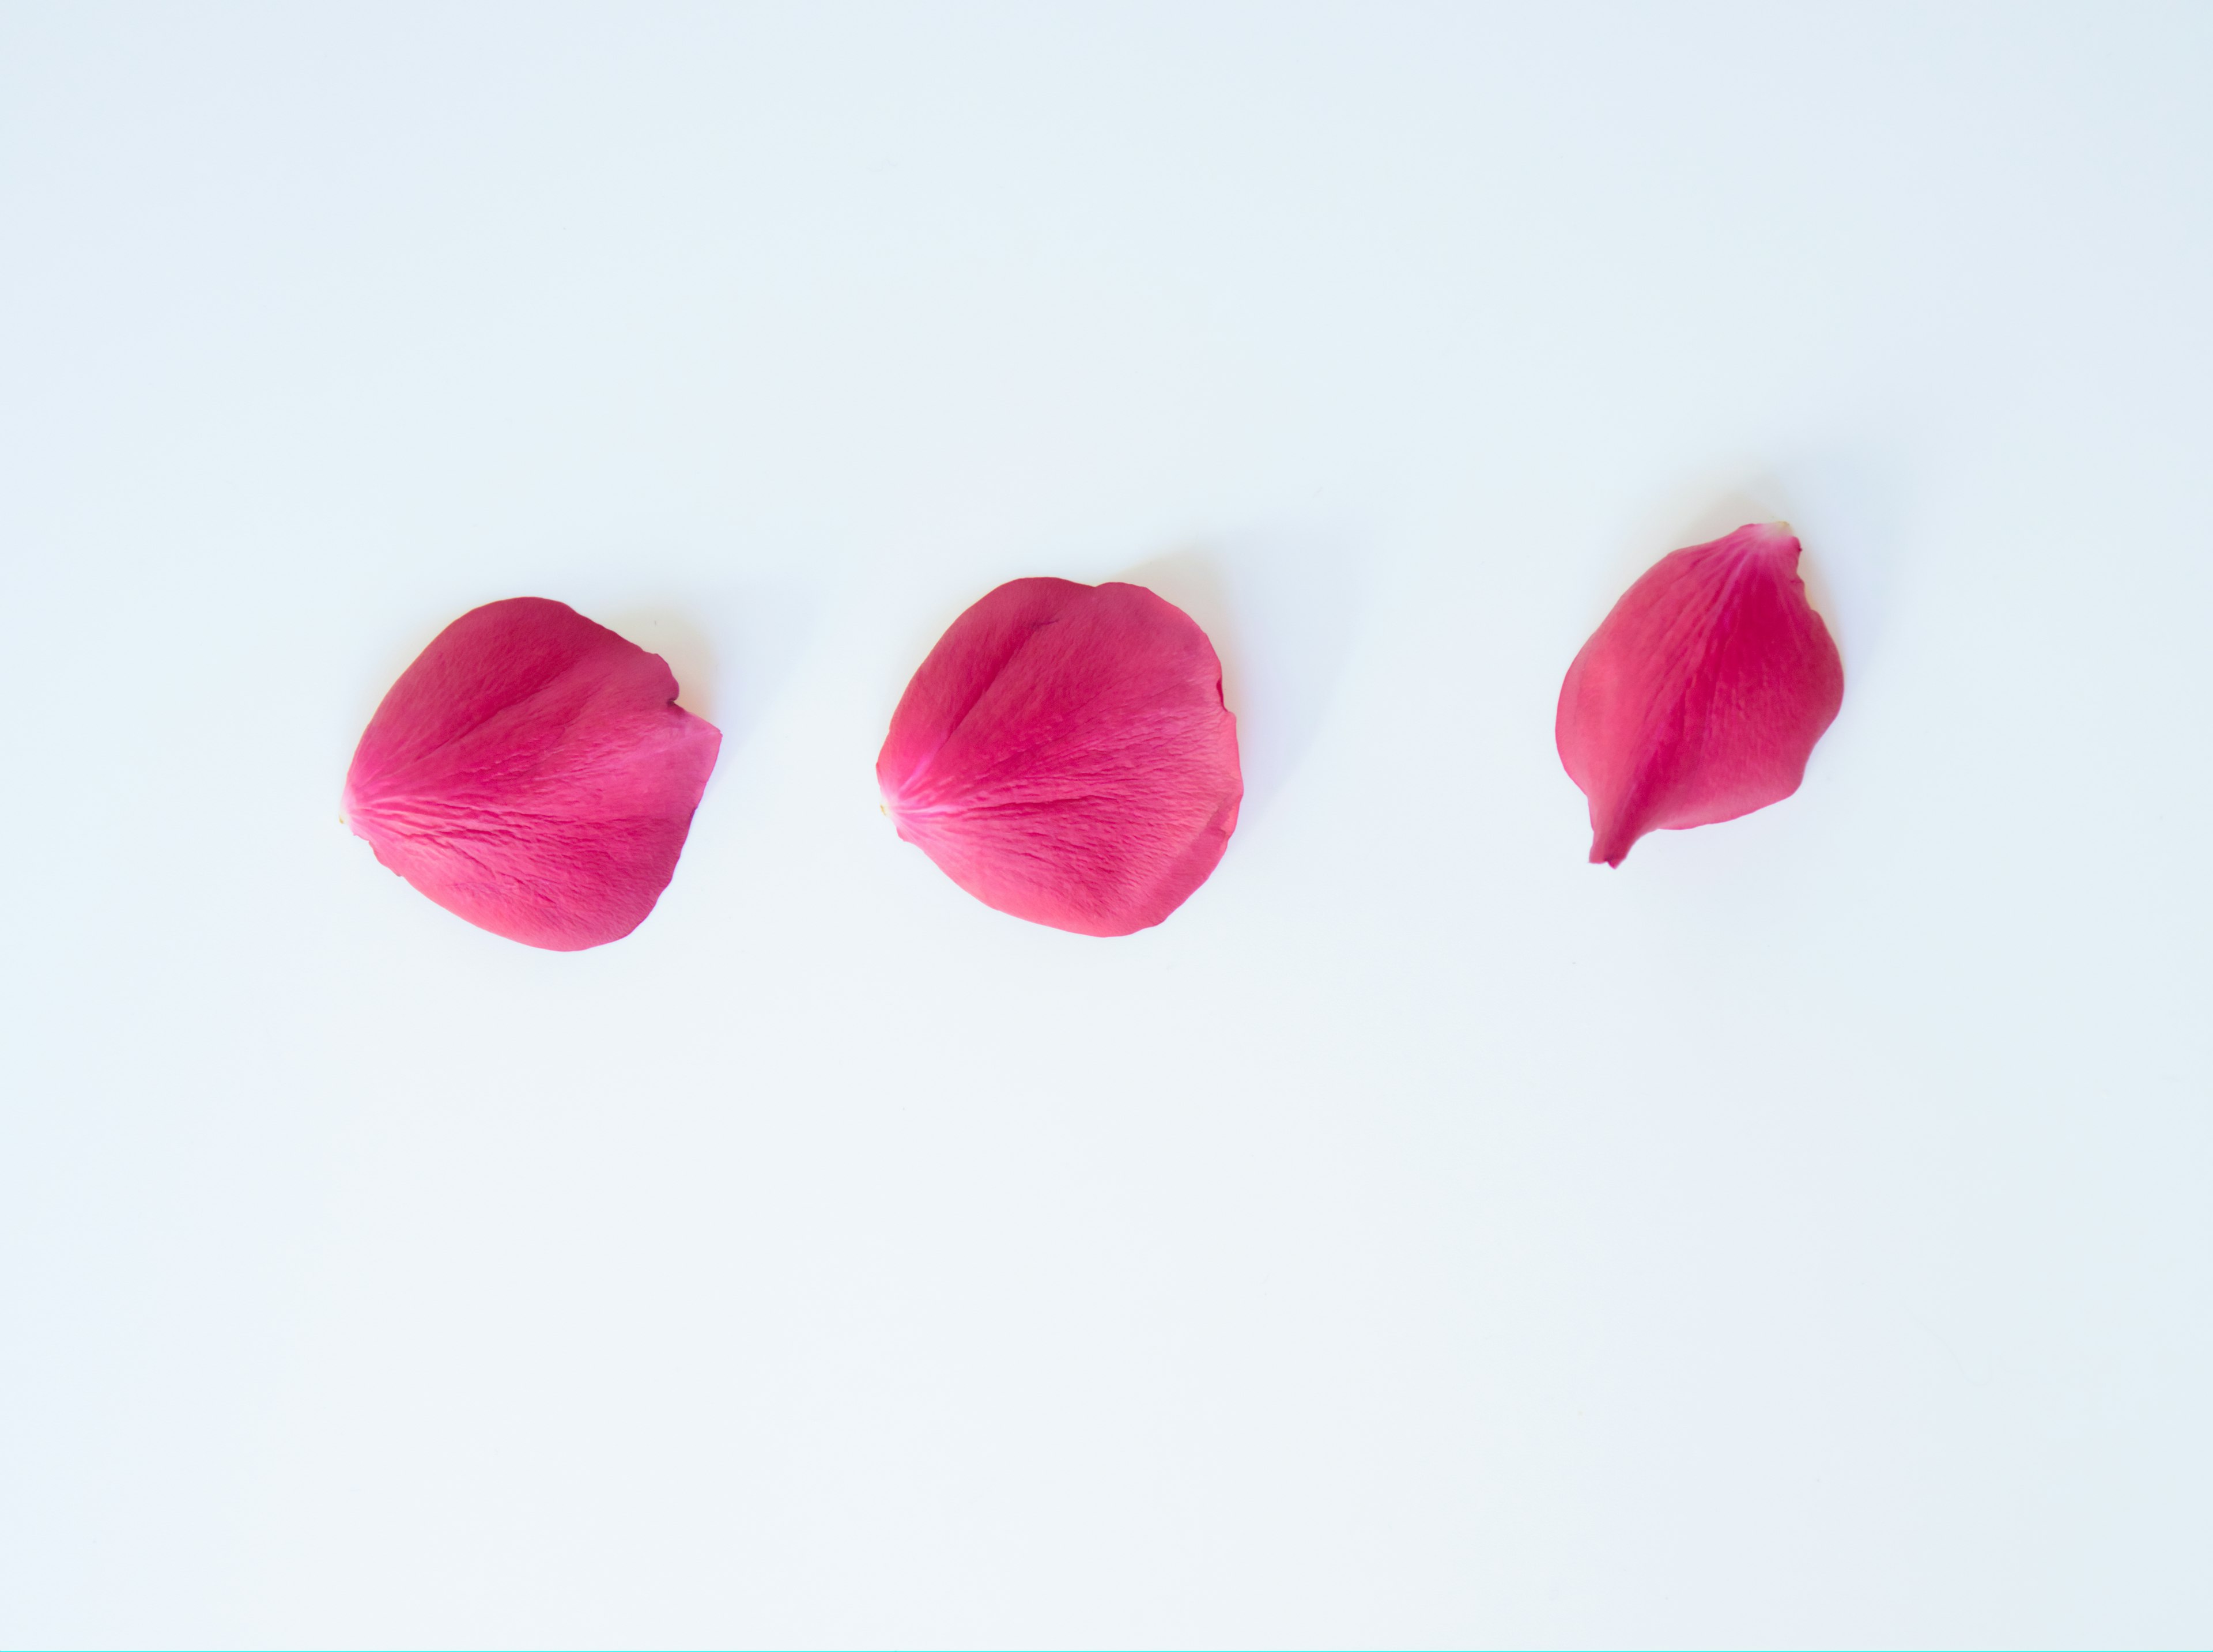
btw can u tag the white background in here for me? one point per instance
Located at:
(1800, 1234)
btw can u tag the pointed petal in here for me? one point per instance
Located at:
(1064, 755)
(532, 773)
(1700, 697)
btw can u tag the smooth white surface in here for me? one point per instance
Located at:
(1801, 1234)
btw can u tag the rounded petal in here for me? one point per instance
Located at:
(532, 773)
(1700, 697)
(1064, 755)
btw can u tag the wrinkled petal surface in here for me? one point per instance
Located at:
(532, 773)
(1701, 695)
(1064, 755)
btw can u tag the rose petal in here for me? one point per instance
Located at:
(532, 773)
(1064, 755)
(1700, 698)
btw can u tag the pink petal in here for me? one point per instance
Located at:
(1064, 755)
(1700, 698)
(531, 771)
